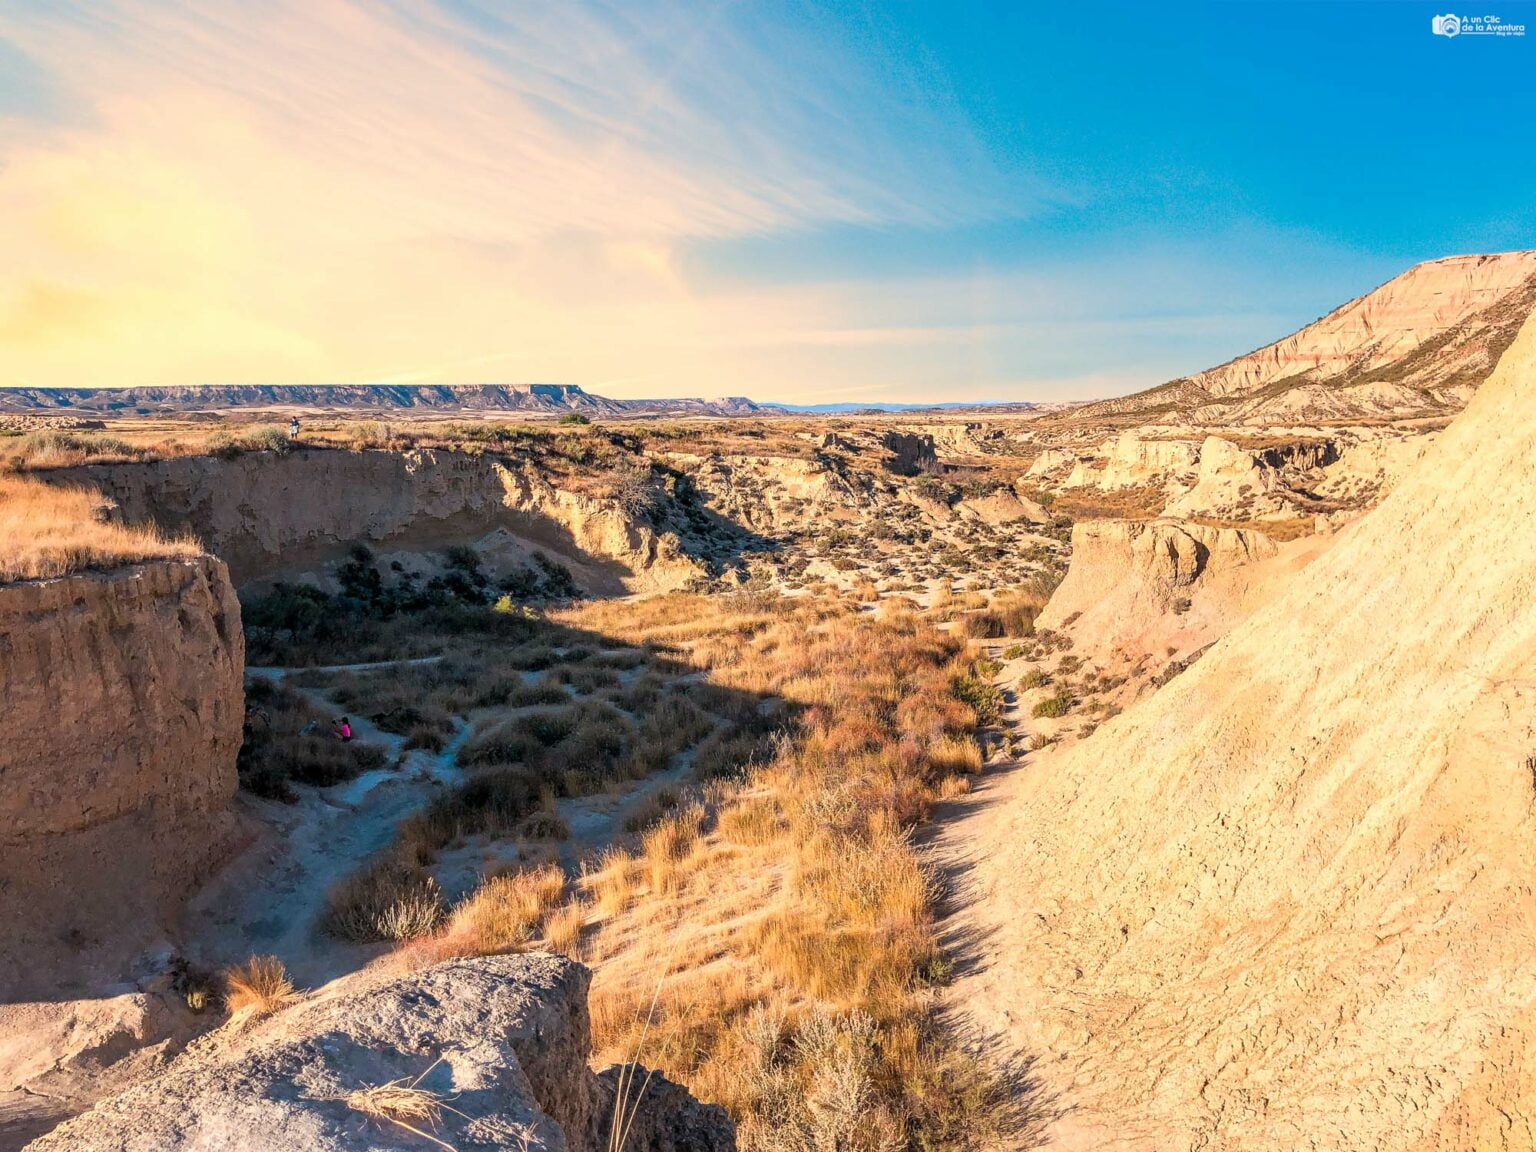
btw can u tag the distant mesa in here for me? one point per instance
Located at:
(527, 398)
(530, 398)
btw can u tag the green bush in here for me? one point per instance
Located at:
(1058, 704)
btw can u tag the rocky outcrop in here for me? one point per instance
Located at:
(1368, 470)
(1050, 461)
(1004, 507)
(1286, 902)
(1128, 576)
(120, 717)
(909, 453)
(1231, 482)
(501, 1042)
(268, 513)
(773, 493)
(1131, 460)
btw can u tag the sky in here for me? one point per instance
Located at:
(794, 201)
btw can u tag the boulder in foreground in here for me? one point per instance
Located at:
(496, 1047)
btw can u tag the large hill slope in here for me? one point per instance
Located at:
(1287, 901)
(1418, 345)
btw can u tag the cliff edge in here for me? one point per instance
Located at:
(120, 718)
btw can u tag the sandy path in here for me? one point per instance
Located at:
(980, 1000)
(269, 899)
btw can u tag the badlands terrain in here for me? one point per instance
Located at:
(1151, 774)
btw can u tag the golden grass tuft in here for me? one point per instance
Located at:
(563, 928)
(48, 531)
(506, 913)
(258, 987)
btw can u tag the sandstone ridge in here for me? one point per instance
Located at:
(1416, 346)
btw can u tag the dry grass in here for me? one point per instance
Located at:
(796, 911)
(505, 914)
(403, 1103)
(563, 929)
(47, 532)
(391, 899)
(258, 987)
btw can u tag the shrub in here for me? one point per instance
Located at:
(493, 801)
(981, 694)
(1055, 705)
(259, 986)
(387, 900)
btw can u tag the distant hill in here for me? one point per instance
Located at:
(529, 398)
(840, 408)
(1419, 345)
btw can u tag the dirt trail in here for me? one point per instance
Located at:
(269, 899)
(975, 1000)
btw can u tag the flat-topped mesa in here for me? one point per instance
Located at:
(527, 399)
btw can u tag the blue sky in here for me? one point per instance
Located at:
(807, 202)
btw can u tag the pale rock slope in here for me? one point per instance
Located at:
(1129, 576)
(1417, 345)
(1286, 902)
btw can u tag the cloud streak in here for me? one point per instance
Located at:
(327, 190)
(399, 190)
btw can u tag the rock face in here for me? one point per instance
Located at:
(910, 453)
(502, 1042)
(120, 712)
(1286, 902)
(1005, 507)
(1418, 345)
(1231, 481)
(266, 513)
(1127, 576)
(1132, 460)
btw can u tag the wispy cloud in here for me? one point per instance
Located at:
(328, 189)
(388, 190)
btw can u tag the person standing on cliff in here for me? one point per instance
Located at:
(293, 428)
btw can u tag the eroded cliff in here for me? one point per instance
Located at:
(267, 513)
(120, 719)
